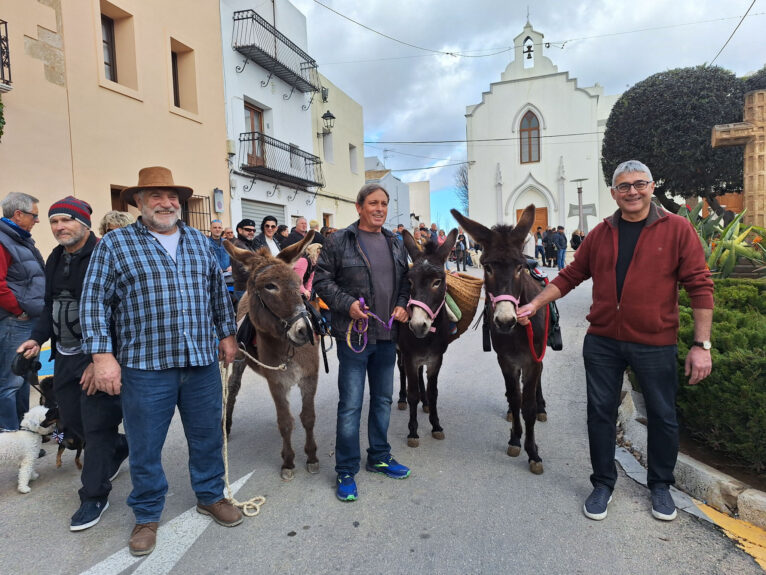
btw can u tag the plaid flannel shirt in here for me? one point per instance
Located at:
(153, 313)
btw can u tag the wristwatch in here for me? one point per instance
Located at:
(703, 344)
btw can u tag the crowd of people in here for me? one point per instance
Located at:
(139, 319)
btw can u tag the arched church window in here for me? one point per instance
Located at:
(530, 138)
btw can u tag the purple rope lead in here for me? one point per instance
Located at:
(360, 326)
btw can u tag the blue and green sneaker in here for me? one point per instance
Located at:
(346, 490)
(389, 467)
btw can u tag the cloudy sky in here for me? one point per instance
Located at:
(412, 94)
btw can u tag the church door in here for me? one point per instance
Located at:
(541, 219)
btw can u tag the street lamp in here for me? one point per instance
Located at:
(329, 122)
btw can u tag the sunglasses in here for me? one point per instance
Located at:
(270, 226)
(248, 230)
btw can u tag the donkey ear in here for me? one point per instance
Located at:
(410, 245)
(293, 252)
(245, 257)
(525, 223)
(449, 242)
(481, 234)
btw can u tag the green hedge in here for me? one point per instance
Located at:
(727, 410)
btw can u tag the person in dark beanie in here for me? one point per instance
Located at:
(22, 289)
(245, 241)
(91, 415)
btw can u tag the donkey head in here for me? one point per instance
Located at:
(504, 264)
(428, 284)
(276, 305)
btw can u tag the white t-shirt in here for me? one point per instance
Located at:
(528, 249)
(272, 246)
(169, 241)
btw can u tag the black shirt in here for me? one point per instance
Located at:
(626, 245)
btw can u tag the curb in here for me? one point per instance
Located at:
(718, 490)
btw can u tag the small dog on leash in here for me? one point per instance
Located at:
(23, 446)
(64, 438)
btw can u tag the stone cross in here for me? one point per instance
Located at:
(752, 134)
(587, 210)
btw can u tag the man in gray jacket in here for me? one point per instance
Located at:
(22, 294)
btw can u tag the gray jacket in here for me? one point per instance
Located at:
(26, 272)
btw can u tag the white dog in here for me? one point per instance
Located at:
(23, 446)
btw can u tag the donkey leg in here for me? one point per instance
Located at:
(433, 393)
(542, 415)
(308, 417)
(285, 425)
(412, 399)
(402, 405)
(234, 384)
(512, 392)
(529, 412)
(422, 388)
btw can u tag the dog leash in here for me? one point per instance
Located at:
(360, 327)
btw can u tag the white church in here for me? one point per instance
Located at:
(547, 133)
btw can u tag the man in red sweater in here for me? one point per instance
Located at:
(636, 258)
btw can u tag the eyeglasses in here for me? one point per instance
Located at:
(249, 230)
(624, 187)
(270, 226)
(35, 216)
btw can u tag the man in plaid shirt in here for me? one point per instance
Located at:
(153, 307)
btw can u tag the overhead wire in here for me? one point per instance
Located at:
(733, 32)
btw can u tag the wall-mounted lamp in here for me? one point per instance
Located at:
(329, 122)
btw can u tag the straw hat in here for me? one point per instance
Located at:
(154, 177)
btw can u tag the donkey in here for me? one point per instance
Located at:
(426, 340)
(507, 285)
(282, 327)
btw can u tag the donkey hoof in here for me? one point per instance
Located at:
(402, 405)
(513, 450)
(413, 441)
(437, 434)
(542, 416)
(536, 467)
(509, 417)
(312, 467)
(287, 474)
(426, 409)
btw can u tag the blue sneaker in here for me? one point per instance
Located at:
(597, 502)
(389, 467)
(663, 507)
(346, 490)
(88, 514)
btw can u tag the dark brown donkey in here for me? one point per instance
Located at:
(424, 343)
(507, 284)
(275, 307)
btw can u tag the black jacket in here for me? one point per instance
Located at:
(259, 241)
(238, 271)
(56, 282)
(343, 275)
(560, 241)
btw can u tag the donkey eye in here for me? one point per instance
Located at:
(436, 283)
(271, 286)
(488, 269)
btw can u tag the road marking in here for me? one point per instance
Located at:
(749, 538)
(173, 540)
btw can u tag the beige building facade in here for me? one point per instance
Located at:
(103, 88)
(341, 149)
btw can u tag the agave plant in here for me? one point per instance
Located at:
(725, 245)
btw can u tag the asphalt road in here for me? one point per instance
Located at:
(467, 508)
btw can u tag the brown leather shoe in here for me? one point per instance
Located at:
(142, 539)
(222, 512)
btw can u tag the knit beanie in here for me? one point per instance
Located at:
(74, 208)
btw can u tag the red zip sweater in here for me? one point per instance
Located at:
(668, 252)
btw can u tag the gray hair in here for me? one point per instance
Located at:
(17, 201)
(629, 167)
(115, 219)
(368, 189)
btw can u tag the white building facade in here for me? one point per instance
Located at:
(270, 83)
(398, 192)
(547, 134)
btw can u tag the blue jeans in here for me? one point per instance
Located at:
(656, 371)
(14, 390)
(377, 363)
(562, 258)
(149, 399)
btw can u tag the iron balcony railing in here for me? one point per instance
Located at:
(259, 41)
(277, 161)
(5, 57)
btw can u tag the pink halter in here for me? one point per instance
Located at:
(503, 297)
(424, 307)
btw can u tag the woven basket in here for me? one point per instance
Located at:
(465, 289)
